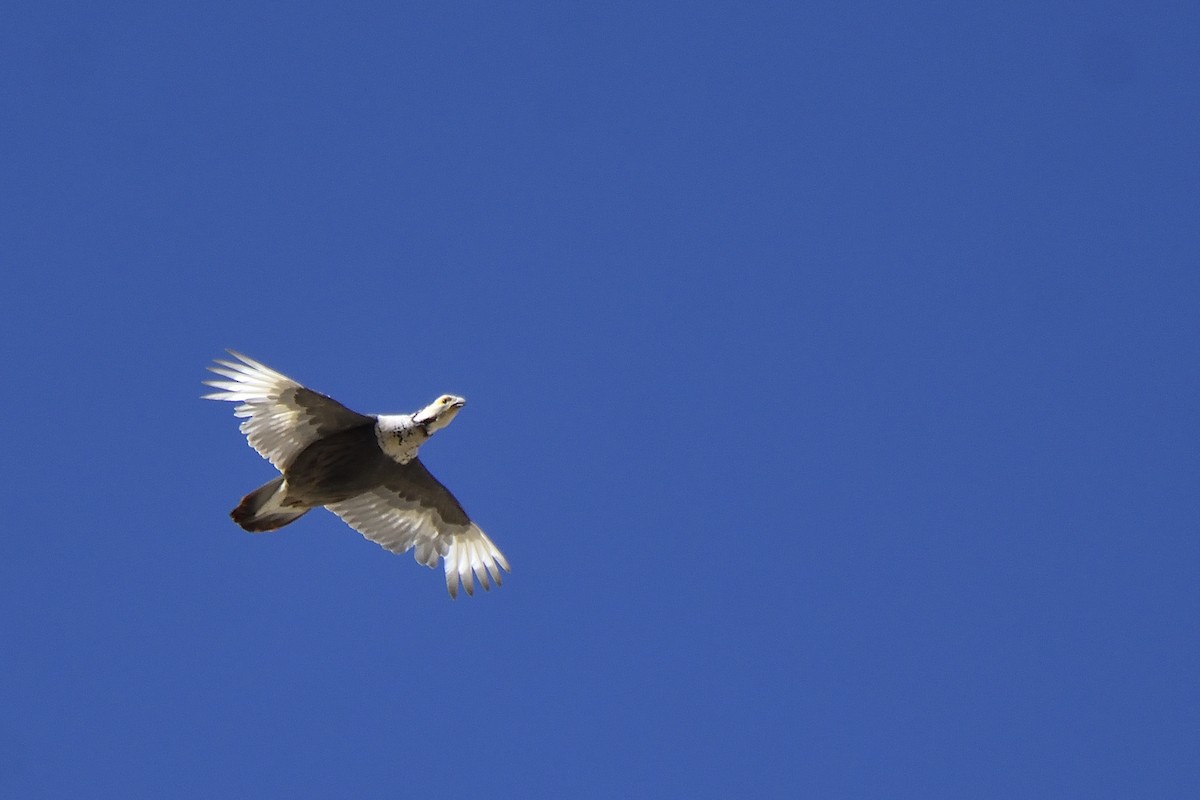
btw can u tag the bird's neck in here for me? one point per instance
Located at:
(399, 437)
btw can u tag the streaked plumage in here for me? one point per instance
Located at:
(364, 468)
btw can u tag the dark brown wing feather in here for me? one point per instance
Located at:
(413, 482)
(325, 414)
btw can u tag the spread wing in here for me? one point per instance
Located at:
(411, 509)
(281, 416)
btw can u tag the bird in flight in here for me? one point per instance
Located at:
(364, 468)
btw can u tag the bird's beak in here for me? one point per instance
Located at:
(439, 414)
(448, 411)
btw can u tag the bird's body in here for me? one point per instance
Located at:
(364, 468)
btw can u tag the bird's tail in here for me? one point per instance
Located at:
(263, 509)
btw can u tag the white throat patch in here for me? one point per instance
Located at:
(399, 437)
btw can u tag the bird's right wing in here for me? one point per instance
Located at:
(281, 416)
(412, 509)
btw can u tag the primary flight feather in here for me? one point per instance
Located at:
(362, 467)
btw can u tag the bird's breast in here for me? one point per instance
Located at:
(334, 467)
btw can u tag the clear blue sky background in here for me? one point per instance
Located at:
(832, 380)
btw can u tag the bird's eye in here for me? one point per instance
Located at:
(445, 400)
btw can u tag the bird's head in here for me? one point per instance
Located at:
(438, 414)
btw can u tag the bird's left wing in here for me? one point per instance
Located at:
(411, 509)
(281, 416)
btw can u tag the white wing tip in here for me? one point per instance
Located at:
(248, 381)
(472, 556)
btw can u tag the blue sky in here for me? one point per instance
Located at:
(831, 374)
